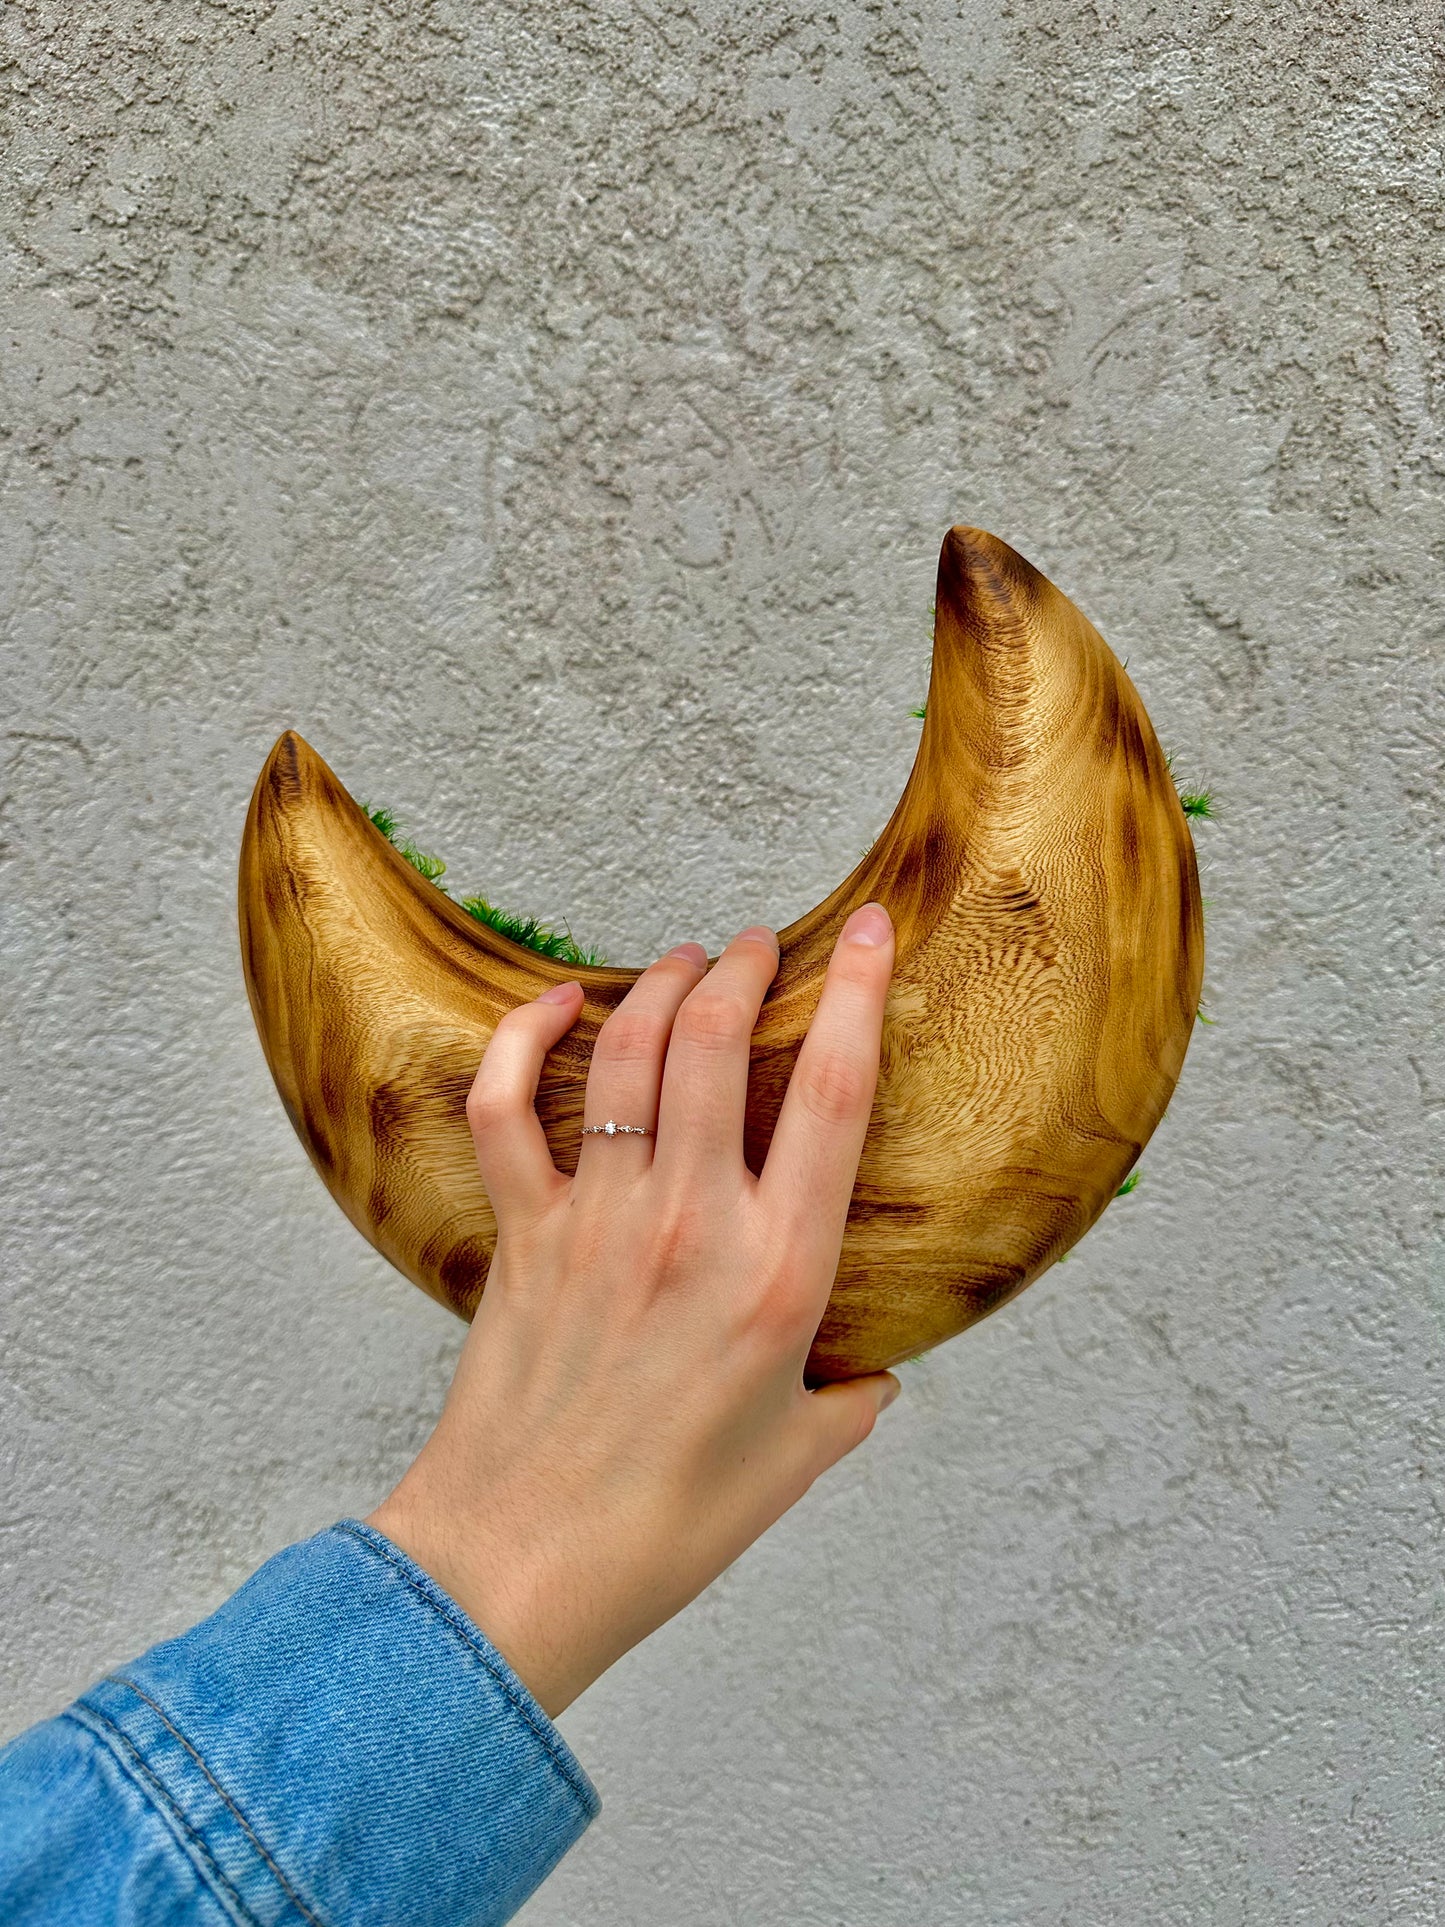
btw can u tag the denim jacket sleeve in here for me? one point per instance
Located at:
(337, 1745)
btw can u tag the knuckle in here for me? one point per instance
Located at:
(864, 1418)
(488, 1106)
(836, 1091)
(677, 1242)
(628, 1037)
(777, 1318)
(712, 1022)
(777, 1307)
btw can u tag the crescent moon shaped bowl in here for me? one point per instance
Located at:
(1041, 879)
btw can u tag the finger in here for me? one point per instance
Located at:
(705, 1077)
(843, 1415)
(812, 1160)
(512, 1151)
(625, 1075)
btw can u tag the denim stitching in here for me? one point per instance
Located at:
(450, 1616)
(119, 1679)
(155, 1791)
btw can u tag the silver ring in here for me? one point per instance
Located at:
(609, 1129)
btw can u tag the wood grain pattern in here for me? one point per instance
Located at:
(1040, 874)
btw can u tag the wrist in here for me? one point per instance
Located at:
(492, 1588)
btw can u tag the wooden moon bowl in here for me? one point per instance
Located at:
(1041, 878)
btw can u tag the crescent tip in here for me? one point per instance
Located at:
(294, 773)
(989, 597)
(973, 564)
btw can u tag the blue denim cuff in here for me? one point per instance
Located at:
(339, 1744)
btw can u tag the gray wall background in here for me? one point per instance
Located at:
(555, 412)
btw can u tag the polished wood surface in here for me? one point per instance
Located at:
(1041, 878)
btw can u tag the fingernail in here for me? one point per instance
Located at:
(559, 993)
(889, 1395)
(694, 953)
(871, 925)
(760, 933)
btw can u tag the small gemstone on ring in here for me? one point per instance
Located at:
(610, 1128)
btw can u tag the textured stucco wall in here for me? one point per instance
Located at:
(554, 411)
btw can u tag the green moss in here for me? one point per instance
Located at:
(527, 930)
(431, 867)
(547, 942)
(1198, 805)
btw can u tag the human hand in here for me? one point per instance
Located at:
(628, 1413)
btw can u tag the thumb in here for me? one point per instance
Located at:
(845, 1413)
